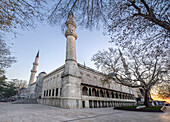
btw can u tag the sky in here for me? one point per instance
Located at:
(52, 45)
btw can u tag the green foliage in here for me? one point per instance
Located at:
(7, 89)
(146, 108)
(2, 79)
(154, 108)
(131, 107)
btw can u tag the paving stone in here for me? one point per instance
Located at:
(43, 113)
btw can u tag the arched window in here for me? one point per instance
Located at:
(84, 90)
(95, 80)
(60, 91)
(101, 93)
(93, 92)
(88, 77)
(89, 91)
(50, 92)
(53, 92)
(44, 93)
(47, 93)
(56, 92)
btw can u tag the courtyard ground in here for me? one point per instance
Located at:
(43, 113)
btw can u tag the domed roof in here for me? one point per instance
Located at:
(42, 73)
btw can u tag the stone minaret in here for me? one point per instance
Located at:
(71, 75)
(32, 77)
(34, 69)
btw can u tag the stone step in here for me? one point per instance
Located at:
(25, 101)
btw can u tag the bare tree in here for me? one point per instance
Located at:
(19, 13)
(133, 68)
(130, 23)
(20, 83)
(162, 90)
(5, 57)
(16, 14)
(126, 21)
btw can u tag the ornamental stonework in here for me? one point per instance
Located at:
(71, 26)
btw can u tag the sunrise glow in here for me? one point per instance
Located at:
(160, 99)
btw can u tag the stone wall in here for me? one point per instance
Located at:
(113, 95)
(51, 87)
(92, 77)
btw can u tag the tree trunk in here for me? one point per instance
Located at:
(146, 102)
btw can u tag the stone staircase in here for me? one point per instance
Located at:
(25, 101)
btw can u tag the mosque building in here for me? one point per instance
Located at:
(74, 85)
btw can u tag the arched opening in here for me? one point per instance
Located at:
(97, 93)
(93, 92)
(102, 103)
(120, 96)
(95, 103)
(89, 92)
(99, 104)
(116, 95)
(130, 96)
(108, 103)
(101, 93)
(107, 93)
(84, 90)
(83, 104)
(44, 93)
(50, 92)
(112, 95)
(105, 104)
(56, 92)
(123, 96)
(47, 93)
(90, 103)
(53, 92)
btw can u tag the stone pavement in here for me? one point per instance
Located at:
(43, 113)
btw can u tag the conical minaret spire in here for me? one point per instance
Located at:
(38, 54)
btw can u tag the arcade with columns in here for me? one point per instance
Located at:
(96, 97)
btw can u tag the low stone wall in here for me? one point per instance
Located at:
(71, 103)
(61, 102)
(50, 101)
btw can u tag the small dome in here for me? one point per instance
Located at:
(42, 73)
